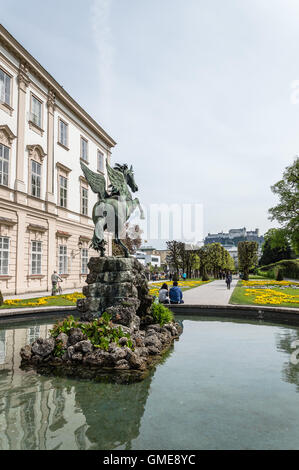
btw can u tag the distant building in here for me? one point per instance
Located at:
(233, 251)
(234, 236)
(163, 255)
(146, 259)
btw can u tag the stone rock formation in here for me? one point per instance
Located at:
(112, 280)
(132, 340)
(128, 360)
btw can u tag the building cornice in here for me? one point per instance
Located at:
(5, 130)
(37, 228)
(36, 69)
(61, 234)
(63, 167)
(7, 222)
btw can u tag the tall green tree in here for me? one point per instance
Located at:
(175, 249)
(286, 212)
(247, 257)
(205, 264)
(216, 257)
(276, 247)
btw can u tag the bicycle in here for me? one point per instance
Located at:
(59, 289)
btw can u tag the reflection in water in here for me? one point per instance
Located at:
(38, 412)
(221, 388)
(290, 372)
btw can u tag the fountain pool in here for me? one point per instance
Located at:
(226, 384)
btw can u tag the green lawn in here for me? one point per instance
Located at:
(58, 300)
(239, 297)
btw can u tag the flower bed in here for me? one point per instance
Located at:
(266, 292)
(66, 299)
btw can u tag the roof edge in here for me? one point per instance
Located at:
(46, 77)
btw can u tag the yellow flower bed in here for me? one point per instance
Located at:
(43, 300)
(268, 282)
(271, 296)
(154, 288)
(260, 294)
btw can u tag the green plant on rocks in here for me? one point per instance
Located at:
(100, 332)
(161, 314)
(59, 350)
(64, 326)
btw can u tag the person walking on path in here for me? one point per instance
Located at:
(228, 279)
(176, 294)
(164, 294)
(55, 278)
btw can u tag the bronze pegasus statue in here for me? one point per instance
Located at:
(115, 206)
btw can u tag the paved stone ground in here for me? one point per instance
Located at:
(213, 293)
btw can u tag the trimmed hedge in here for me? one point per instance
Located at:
(289, 269)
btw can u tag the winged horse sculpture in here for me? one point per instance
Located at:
(115, 206)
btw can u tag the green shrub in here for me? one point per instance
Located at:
(1, 298)
(161, 314)
(100, 332)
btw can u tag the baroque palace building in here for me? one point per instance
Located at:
(45, 202)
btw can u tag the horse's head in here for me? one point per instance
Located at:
(128, 174)
(130, 179)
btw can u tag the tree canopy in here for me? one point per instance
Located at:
(286, 212)
(276, 247)
(211, 258)
(247, 257)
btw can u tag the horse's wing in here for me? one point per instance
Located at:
(95, 180)
(117, 179)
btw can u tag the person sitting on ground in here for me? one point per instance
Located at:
(176, 294)
(55, 278)
(164, 294)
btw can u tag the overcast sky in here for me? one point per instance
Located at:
(197, 93)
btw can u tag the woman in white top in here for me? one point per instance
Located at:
(164, 294)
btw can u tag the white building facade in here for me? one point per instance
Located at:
(45, 202)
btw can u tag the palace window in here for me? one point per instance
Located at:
(35, 178)
(62, 191)
(36, 257)
(84, 201)
(36, 111)
(84, 149)
(4, 255)
(4, 163)
(63, 133)
(5, 87)
(101, 161)
(84, 260)
(62, 261)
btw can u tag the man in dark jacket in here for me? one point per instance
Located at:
(228, 279)
(176, 294)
